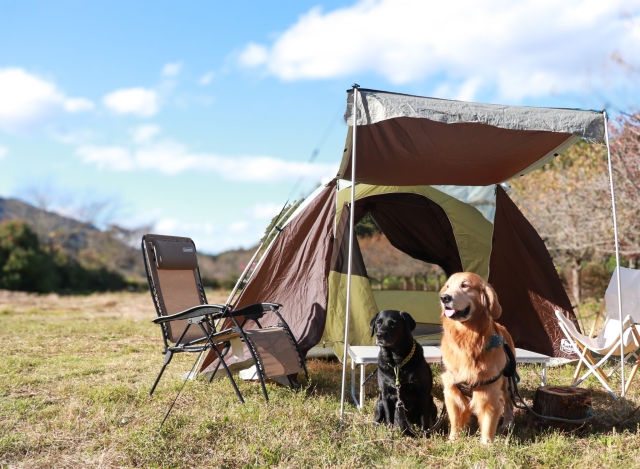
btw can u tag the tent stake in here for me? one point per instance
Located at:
(615, 237)
(351, 230)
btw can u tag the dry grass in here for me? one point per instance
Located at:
(74, 380)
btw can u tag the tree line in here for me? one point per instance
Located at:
(28, 265)
(390, 268)
(569, 203)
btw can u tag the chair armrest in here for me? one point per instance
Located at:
(226, 334)
(200, 310)
(251, 312)
(627, 323)
(255, 310)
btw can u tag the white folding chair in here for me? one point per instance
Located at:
(605, 344)
(630, 290)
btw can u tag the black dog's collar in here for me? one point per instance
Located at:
(396, 368)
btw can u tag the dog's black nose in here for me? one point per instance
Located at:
(445, 298)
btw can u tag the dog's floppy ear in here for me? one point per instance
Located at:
(372, 324)
(491, 301)
(408, 320)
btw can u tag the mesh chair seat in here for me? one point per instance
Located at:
(189, 323)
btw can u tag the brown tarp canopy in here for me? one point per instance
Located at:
(410, 140)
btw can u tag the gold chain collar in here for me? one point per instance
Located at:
(396, 369)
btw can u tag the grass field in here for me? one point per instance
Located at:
(75, 374)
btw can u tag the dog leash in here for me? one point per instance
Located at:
(512, 381)
(400, 404)
(510, 372)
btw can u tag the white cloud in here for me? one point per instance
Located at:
(206, 78)
(171, 157)
(78, 105)
(27, 100)
(254, 54)
(465, 91)
(73, 136)
(238, 227)
(139, 101)
(213, 237)
(265, 211)
(3, 152)
(515, 49)
(171, 69)
(115, 158)
(144, 133)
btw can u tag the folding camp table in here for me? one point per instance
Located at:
(368, 355)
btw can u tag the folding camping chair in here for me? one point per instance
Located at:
(180, 301)
(605, 344)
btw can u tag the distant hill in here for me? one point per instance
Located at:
(225, 267)
(117, 249)
(47, 224)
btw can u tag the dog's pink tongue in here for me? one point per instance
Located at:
(449, 312)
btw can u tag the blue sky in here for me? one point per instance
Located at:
(198, 117)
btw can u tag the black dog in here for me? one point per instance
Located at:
(406, 400)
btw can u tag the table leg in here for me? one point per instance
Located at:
(362, 376)
(353, 384)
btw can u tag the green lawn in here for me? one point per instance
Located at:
(75, 374)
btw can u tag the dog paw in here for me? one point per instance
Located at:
(486, 440)
(506, 426)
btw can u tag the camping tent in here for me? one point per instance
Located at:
(314, 264)
(305, 267)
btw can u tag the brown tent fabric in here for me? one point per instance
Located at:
(297, 261)
(415, 225)
(528, 286)
(408, 151)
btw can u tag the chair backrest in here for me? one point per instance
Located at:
(630, 290)
(174, 281)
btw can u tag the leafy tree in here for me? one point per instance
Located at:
(569, 203)
(367, 227)
(23, 263)
(284, 216)
(384, 261)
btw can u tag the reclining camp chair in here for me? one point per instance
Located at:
(189, 324)
(605, 344)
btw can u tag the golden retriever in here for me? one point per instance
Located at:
(472, 357)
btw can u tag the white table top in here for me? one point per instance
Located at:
(367, 354)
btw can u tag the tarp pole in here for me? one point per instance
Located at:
(351, 230)
(615, 237)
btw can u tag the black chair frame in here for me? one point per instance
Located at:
(205, 317)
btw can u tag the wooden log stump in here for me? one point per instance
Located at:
(567, 402)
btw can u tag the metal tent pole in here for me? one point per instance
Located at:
(351, 229)
(615, 236)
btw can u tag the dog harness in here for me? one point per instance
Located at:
(495, 341)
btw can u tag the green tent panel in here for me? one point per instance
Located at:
(471, 230)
